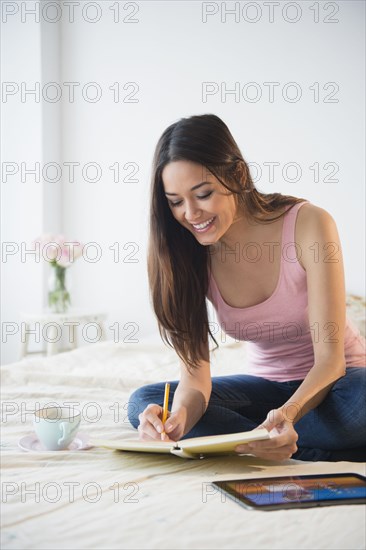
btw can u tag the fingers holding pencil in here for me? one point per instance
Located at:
(173, 429)
(158, 423)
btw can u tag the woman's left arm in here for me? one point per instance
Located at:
(318, 243)
(323, 261)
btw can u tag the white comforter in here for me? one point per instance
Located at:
(102, 499)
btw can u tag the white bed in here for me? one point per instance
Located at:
(102, 499)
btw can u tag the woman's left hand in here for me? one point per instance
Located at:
(282, 442)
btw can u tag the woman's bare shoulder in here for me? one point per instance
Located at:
(315, 230)
(309, 215)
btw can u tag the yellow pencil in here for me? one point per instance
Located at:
(165, 406)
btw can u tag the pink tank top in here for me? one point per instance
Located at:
(279, 344)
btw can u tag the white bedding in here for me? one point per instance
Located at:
(131, 500)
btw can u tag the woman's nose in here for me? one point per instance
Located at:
(192, 213)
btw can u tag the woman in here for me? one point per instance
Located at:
(272, 267)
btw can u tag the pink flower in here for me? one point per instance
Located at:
(59, 250)
(51, 251)
(64, 260)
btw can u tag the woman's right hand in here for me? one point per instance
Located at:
(151, 427)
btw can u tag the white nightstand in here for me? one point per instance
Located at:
(50, 327)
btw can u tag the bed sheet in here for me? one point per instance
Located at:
(101, 499)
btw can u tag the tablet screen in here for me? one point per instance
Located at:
(295, 490)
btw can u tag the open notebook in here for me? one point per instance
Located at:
(195, 447)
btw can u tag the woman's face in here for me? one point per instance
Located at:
(198, 201)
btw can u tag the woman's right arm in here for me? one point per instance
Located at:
(190, 402)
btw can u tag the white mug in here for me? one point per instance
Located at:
(56, 427)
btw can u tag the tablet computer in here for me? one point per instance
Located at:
(302, 491)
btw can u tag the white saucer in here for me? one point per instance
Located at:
(32, 443)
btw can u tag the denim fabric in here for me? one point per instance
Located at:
(335, 430)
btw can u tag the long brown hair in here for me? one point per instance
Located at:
(177, 263)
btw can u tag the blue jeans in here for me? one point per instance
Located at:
(335, 430)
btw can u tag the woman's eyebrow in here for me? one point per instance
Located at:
(194, 187)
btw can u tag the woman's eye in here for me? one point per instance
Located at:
(199, 197)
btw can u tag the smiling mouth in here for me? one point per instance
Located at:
(204, 225)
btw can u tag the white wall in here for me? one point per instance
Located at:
(21, 203)
(31, 133)
(170, 52)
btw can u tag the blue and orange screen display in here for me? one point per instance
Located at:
(294, 489)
